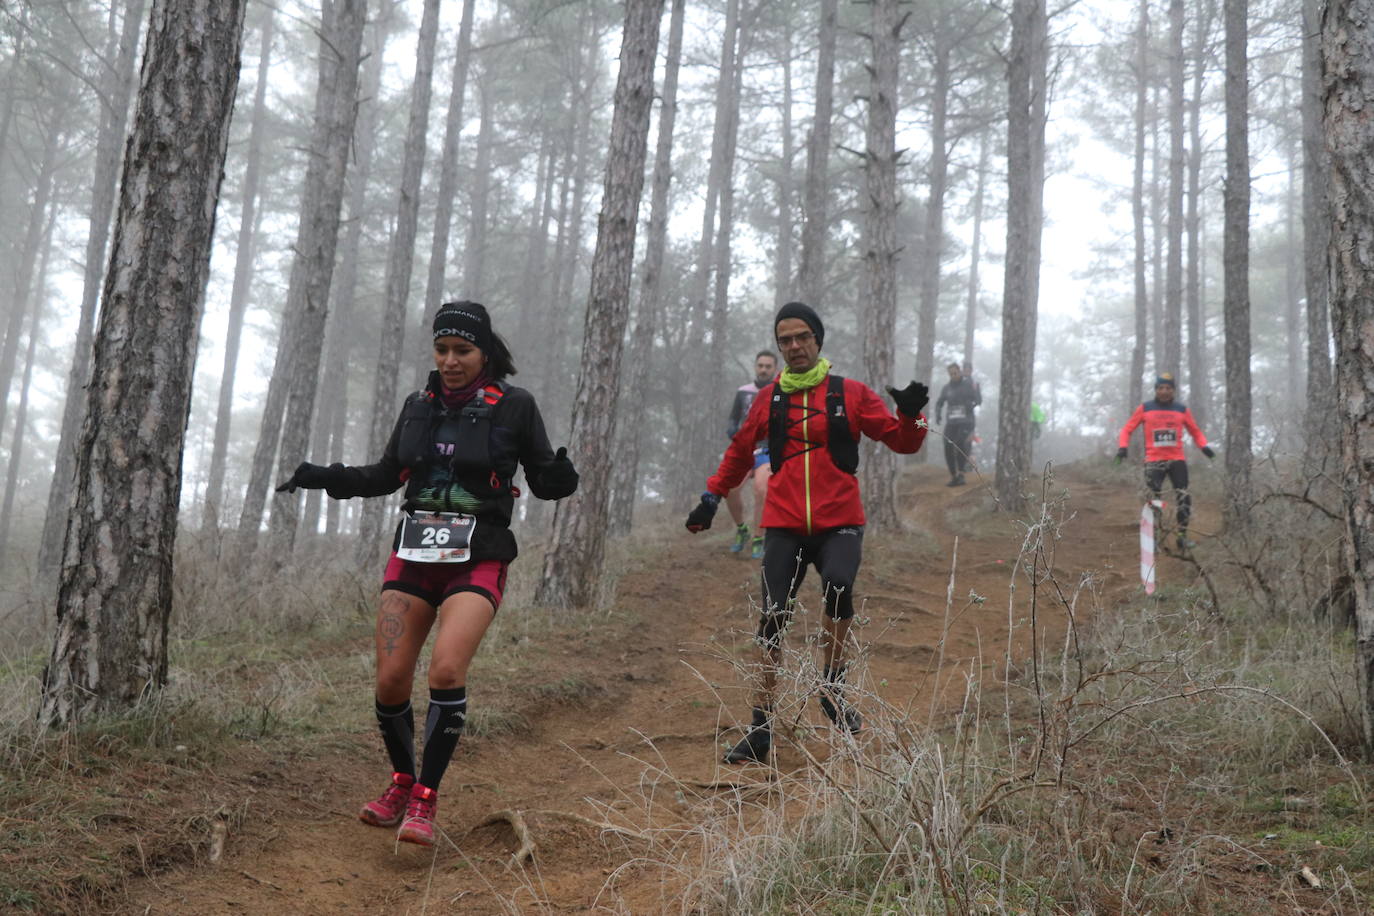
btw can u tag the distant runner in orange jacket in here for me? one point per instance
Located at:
(1165, 420)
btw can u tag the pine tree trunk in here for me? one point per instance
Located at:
(633, 402)
(716, 387)
(975, 253)
(1199, 392)
(475, 251)
(243, 276)
(332, 416)
(1320, 415)
(115, 596)
(1173, 283)
(21, 413)
(398, 267)
(1135, 383)
(28, 258)
(109, 145)
(1025, 183)
(934, 230)
(703, 443)
(1236, 267)
(880, 251)
(815, 228)
(782, 256)
(448, 163)
(1347, 36)
(573, 564)
(287, 410)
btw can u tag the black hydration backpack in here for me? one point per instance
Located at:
(844, 448)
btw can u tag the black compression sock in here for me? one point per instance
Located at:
(448, 710)
(397, 725)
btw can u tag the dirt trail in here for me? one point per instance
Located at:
(576, 759)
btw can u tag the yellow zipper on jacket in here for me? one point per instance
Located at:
(806, 456)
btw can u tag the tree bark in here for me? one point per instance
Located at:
(1173, 282)
(1199, 392)
(634, 406)
(934, 230)
(28, 258)
(448, 163)
(1026, 70)
(475, 251)
(115, 596)
(290, 398)
(331, 419)
(782, 257)
(21, 413)
(399, 262)
(573, 564)
(815, 228)
(971, 309)
(243, 276)
(1236, 267)
(1348, 71)
(1320, 416)
(1135, 383)
(880, 250)
(109, 145)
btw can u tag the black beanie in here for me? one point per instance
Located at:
(1165, 378)
(468, 320)
(805, 313)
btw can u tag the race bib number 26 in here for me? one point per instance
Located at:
(436, 537)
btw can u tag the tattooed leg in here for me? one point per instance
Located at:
(403, 623)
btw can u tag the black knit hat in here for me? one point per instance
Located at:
(468, 320)
(805, 313)
(1165, 378)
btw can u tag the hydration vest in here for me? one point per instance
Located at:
(844, 448)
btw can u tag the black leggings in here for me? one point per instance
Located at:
(786, 555)
(1177, 472)
(958, 440)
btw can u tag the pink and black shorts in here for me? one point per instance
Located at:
(435, 582)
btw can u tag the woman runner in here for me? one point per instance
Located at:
(455, 448)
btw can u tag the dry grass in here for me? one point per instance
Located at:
(1167, 756)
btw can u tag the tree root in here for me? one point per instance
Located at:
(600, 825)
(517, 823)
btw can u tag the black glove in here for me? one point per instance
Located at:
(307, 476)
(1207, 450)
(1120, 455)
(559, 474)
(699, 519)
(910, 399)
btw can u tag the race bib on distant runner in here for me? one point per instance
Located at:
(436, 537)
(957, 412)
(1166, 437)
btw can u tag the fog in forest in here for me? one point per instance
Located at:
(242, 252)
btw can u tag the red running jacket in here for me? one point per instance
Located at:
(808, 493)
(1164, 426)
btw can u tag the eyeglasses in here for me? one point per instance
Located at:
(805, 337)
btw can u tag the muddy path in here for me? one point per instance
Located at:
(582, 768)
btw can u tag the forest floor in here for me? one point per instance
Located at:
(622, 744)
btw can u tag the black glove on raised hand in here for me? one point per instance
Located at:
(560, 475)
(910, 399)
(307, 476)
(1121, 455)
(699, 519)
(1207, 450)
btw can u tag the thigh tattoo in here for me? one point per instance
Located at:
(391, 625)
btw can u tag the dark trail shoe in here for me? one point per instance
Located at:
(842, 715)
(752, 748)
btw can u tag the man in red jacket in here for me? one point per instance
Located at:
(1165, 420)
(813, 515)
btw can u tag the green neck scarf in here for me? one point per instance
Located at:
(791, 381)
